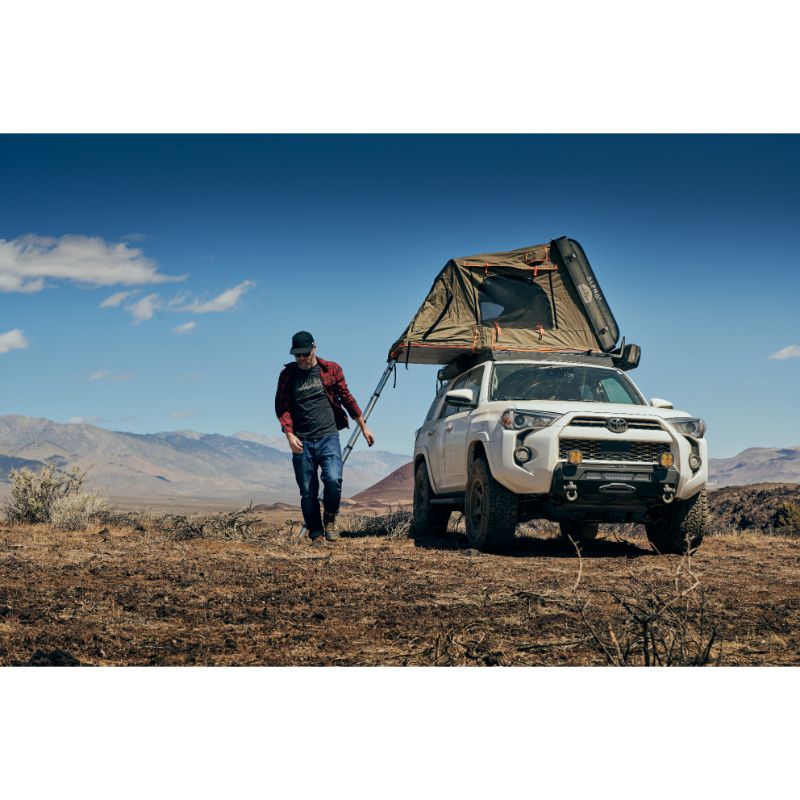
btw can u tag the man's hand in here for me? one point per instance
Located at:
(294, 443)
(370, 439)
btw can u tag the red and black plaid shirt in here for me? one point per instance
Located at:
(333, 383)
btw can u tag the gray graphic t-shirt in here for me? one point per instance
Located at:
(313, 415)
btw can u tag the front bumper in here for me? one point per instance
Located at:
(541, 475)
(604, 493)
(604, 483)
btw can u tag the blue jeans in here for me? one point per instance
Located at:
(324, 454)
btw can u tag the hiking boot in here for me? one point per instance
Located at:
(329, 522)
(316, 537)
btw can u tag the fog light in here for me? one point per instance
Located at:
(522, 455)
(574, 456)
(666, 460)
(695, 462)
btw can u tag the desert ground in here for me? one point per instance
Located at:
(245, 590)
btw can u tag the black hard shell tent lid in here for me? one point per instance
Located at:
(534, 300)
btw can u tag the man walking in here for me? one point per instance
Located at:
(310, 404)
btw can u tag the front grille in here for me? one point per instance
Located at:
(599, 422)
(602, 450)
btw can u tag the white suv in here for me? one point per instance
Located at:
(570, 441)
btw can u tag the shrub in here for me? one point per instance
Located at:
(74, 512)
(224, 525)
(33, 493)
(787, 519)
(393, 524)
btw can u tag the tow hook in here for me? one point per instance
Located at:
(669, 494)
(572, 491)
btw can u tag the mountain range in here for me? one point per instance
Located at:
(174, 466)
(756, 465)
(187, 467)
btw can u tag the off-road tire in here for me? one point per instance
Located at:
(428, 519)
(579, 532)
(490, 510)
(682, 528)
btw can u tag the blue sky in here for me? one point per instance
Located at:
(243, 240)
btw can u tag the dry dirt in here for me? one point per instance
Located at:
(130, 596)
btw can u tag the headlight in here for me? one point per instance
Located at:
(689, 426)
(520, 420)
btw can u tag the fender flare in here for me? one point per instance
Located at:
(423, 453)
(483, 438)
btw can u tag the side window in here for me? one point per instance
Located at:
(470, 380)
(435, 404)
(473, 383)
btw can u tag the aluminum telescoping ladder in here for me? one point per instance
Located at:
(357, 432)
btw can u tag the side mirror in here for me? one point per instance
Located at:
(657, 402)
(629, 357)
(461, 398)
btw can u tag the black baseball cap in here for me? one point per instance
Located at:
(302, 342)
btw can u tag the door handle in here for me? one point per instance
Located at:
(449, 427)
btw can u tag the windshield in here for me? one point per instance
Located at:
(577, 383)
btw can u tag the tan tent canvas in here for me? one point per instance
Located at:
(538, 299)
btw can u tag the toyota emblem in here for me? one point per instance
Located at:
(617, 425)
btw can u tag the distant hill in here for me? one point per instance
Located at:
(278, 442)
(395, 488)
(756, 465)
(182, 466)
(7, 463)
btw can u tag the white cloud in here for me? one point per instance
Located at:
(12, 340)
(28, 261)
(103, 374)
(86, 420)
(185, 328)
(792, 351)
(223, 302)
(13, 283)
(116, 299)
(145, 308)
(178, 300)
(184, 414)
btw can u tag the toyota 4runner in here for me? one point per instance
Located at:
(576, 443)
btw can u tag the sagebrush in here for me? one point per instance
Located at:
(74, 512)
(52, 496)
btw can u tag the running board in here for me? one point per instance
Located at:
(455, 499)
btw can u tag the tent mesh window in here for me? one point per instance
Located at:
(514, 302)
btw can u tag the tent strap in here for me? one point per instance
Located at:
(553, 301)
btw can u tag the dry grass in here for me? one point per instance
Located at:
(241, 590)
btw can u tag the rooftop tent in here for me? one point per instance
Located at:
(538, 299)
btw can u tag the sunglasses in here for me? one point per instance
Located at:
(302, 355)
